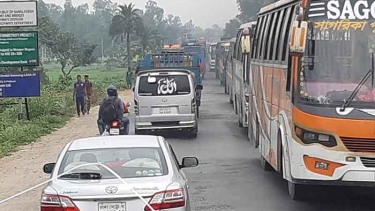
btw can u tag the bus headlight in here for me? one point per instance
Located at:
(309, 137)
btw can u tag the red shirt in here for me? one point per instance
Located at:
(88, 86)
(125, 107)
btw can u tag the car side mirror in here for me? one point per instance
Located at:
(189, 162)
(48, 168)
(199, 87)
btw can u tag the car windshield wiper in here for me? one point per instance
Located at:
(359, 86)
(82, 176)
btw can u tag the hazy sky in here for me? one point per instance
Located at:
(204, 13)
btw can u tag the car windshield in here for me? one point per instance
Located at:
(126, 162)
(338, 55)
(164, 85)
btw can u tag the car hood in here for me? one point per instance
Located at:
(108, 188)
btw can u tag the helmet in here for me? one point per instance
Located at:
(112, 91)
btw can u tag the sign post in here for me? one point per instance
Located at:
(19, 49)
(18, 14)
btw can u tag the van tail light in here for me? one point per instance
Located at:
(167, 200)
(115, 124)
(57, 203)
(193, 105)
(136, 111)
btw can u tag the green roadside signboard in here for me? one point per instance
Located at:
(19, 49)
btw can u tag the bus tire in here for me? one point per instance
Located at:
(257, 134)
(235, 105)
(296, 191)
(240, 123)
(265, 165)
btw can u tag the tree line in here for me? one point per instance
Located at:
(112, 33)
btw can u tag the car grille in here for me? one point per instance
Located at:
(368, 162)
(359, 145)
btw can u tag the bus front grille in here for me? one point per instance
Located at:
(359, 145)
(368, 162)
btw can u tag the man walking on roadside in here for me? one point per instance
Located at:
(79, 95)
(129, 79)
(88, 86)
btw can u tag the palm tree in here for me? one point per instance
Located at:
(124, 24)
(149, 38)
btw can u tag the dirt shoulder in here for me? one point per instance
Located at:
(23, 169)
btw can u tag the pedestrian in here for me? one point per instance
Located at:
(129, 79)
(88, 86)
(79, 95)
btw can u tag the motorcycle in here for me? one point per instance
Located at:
(117, 127)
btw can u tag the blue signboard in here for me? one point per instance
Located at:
(20, 84)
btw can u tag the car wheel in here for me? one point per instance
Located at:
(265, 165)
(296, 191)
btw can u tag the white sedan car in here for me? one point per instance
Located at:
(117, 173)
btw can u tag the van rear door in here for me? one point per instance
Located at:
(171, 94)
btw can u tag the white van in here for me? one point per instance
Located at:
(165, 99)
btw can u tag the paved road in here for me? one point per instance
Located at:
(229, 176)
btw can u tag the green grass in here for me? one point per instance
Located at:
(96, 72)
(53, 108)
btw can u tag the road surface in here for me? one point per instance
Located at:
(228, 178)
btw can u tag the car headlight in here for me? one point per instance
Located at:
(309, 137)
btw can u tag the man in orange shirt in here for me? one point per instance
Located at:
(201, 66)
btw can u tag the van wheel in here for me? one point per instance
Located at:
(296, 191)
(138, 132)
(198, 111)
(193, 133)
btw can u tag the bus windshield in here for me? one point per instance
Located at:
(340, 43)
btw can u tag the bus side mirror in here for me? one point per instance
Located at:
(245, 44)
(298, 40)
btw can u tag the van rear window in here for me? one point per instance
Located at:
(164, 85)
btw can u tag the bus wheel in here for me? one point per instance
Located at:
(240, 123)
(296, 191)
(265, 165)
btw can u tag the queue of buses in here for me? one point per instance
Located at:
(301, 79)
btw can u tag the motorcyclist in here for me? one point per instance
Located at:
(119, 110)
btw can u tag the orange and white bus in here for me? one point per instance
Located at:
(312, 109)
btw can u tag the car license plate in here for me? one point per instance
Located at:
(112, 206)
(165, 110)
(114, 131)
